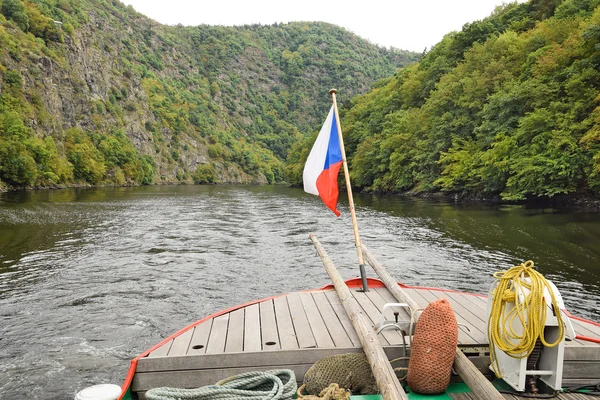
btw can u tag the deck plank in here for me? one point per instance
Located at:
(386, 295)
(581, 328)
(369, 310)
(200, 338)
(468, 301)
(181, 344)
(482, 301)
(372, 312)
(197, 378)
(585, 329)
(422, 297)
(315, 319)
(207, 369)
(162, 350)
(417, 298)
(379, 301)
(235, 332)
(306, 340)
(577, 352)
(247, 359)
(477, 328)
(268, 326)
(582, 370)
(474, 336)
(334, 326)
(287, 334)
(218, 335)
(252, 338)
(593, 327)
(338, 308)
(389, 297)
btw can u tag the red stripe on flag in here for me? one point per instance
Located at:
(328, 187)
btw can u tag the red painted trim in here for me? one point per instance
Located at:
(581, 319)
(357, 282)
(587, 338)
(581, 337)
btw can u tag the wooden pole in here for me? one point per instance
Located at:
(361, 260)
(387, 382)
(481, 387)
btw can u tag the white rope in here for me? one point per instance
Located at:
(268, 385)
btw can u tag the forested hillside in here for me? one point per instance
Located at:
(507, 107)
(92, 92)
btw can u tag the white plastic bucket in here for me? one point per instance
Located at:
(105, 391)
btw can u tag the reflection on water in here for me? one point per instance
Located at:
(89, 278)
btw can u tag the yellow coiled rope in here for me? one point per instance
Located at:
(530, 313)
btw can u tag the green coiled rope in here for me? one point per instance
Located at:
(268, 385)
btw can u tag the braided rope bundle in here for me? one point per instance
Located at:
(268, 385)
(530, 313)
(332, 392)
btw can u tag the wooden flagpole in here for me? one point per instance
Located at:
(361, 260)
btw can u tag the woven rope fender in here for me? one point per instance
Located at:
(432, 350)
(350, 371)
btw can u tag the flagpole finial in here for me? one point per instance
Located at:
(333, 91)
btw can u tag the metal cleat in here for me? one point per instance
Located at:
(404, 325)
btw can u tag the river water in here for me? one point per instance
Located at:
(89, 278)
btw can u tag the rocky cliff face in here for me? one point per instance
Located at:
(74, 88)
(233, 100)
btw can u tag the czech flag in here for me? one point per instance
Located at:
(323, 164)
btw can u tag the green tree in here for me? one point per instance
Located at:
(17, 165)
(508, 106)
(15, 11)
(204, 174)
(88, 162)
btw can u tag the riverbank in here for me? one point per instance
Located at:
(583, 202)
(4, 189)
(576, 201)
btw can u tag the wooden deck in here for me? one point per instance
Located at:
(297, 329)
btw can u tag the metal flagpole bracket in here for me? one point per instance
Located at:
(363, 277)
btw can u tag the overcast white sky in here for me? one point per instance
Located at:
(404, 24)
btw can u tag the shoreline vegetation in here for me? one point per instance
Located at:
(574, 201)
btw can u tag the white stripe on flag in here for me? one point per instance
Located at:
(315, 163)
